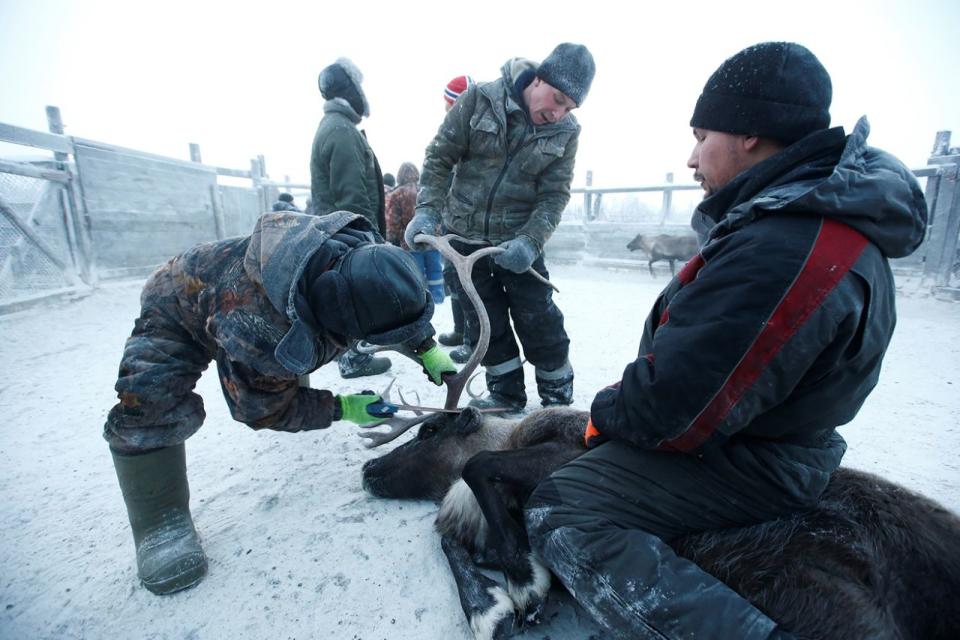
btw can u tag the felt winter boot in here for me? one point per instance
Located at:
(462, 353)
(451, 339)
(154, 487)
(506, 392)
(555, 392)
(354, 364)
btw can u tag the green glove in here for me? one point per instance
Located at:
(437, 362)
(353, 407)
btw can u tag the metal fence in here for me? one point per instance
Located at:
(90, 211)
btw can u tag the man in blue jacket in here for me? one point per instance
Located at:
(766, 341)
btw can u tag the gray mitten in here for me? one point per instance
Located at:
(424, 221)
(518, 254)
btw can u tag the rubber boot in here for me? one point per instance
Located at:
(354, 364)
(154, 486)
(556, 392)
(507, 392)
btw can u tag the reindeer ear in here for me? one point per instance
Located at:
(468, 421)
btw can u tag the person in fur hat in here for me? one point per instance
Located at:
(267, 308)
(345, 174)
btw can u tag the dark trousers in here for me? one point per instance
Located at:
(452, 281)
(537, 320)
(600, 522)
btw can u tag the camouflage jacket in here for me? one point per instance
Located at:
(510, 177)
(236, 300)
(344, 172)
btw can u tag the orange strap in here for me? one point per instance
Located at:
(591, 432)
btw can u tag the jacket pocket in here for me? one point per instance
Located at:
(485, 135)
(541, 155)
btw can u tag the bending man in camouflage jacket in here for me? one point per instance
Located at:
(267, 308)
(510, 146)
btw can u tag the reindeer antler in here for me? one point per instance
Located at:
(457, 382)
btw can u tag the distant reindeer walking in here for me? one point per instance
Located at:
(665, 247)
(874, 560)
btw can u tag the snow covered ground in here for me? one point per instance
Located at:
(296, 548)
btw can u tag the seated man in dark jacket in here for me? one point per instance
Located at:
(268, 308)
(766, 341)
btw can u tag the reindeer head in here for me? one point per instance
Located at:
(642, 242)
(424, 468)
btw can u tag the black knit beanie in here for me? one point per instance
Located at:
(342, 79)
(375, 292)
(775, 90)
(569, 68)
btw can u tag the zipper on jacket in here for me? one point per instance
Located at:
(496, 185)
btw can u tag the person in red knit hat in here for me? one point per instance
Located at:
(454, 88)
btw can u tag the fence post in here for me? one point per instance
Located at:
(195, 153)
(667, 201)
(219, 225)
(74, 220)
(944, 224)
(587, 198)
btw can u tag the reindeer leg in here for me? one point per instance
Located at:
(486, 604)
(517, 473)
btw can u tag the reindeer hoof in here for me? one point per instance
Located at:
(530, 597)
(497, 621)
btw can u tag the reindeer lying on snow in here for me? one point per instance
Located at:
(873, 561)
(664, 247)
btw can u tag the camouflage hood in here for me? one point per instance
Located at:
(280, 248)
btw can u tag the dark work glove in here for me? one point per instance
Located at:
(424, 221)
(518, 254)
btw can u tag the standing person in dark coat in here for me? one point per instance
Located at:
(509, 147)
(285, 203)
(345, 174)
(763, 344)
(389, 182)
(267, 308)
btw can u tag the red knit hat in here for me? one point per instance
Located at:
(455, 87)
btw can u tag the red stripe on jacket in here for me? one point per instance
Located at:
(834, 252)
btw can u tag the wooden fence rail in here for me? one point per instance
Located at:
(123, 211)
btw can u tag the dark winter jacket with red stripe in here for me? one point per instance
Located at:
(777, 329)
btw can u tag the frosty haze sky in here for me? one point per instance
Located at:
(239, 78)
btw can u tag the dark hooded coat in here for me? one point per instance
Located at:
(344, 172)
(776, 330)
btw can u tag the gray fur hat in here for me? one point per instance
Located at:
(342, 79)
(569, 68)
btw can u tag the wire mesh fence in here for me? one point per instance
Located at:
(25, 269)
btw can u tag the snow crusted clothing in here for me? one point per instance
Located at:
(344, 172)
(238, 302)
(512, 177)
(777, 329)
(759, 348)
